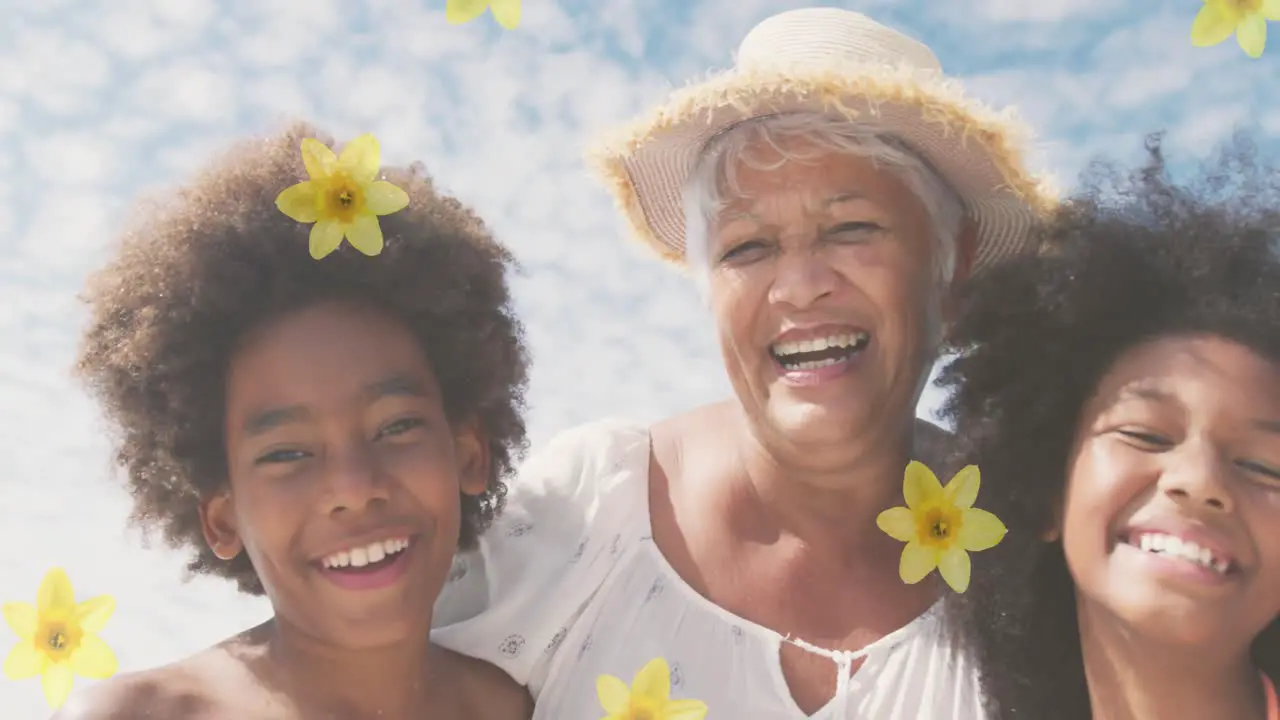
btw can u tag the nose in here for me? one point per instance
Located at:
(354, 480)
(1198, 480)
(802, 278)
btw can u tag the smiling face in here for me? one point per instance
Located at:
(1173, 500)
(344, 475)
(824, 294)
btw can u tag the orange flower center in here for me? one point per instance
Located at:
(57, 640)
(1244, 7)
(939, 526)
(344, 198)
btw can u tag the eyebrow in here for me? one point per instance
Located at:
(394, 386)
(1271, 426)
(826, 204)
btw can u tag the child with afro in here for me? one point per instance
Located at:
(1120, 393)
(325, 432)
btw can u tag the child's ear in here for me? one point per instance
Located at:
(218, 523)
(471, 448)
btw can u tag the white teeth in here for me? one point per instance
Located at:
(361, 556)
(1161, 544)
(846, 340)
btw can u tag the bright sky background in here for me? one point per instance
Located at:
(103, 99)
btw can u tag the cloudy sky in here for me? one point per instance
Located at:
(103, 99)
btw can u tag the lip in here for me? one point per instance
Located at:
(366, 537)
(817, 376)
(797, 332)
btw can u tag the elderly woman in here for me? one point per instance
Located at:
(827, 194)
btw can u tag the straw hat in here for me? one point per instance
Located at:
(836, 61)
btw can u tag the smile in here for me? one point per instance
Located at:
(366, 555)
(370, 566)
(820, 352)
(1157, 543)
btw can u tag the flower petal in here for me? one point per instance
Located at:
(898, 523)
(506, 12)
(1270, 10)
(613, 693)
(962, 490)
(299, 202)
(93, 614)
(685, 710)
(318, 158)
(360, 159)
(326, 236)
(21, 618)
(980, 530)
(94, 659)
(383, 198)
(1211, 26)
(916, 563)
(1252, 35)
(56, 681)
(23, 661)
(461, 11)
(653, 681)
(920, 486)
(365, 235)
(954, 566)
(55, 593)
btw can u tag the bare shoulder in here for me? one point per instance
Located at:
(484, 692)
(210, 685)
(166, 693)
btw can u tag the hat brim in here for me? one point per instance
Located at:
(980, 152)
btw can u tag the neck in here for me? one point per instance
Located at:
(1133, 678)
(830, 500)
(385, 681)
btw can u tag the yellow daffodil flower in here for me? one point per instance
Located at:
(940, 525)
(56, 638)
(342, 197)
(1218, 19)
(506, 12)
(648, 698)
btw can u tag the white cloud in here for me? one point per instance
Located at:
(1041, 11)
(70, 157)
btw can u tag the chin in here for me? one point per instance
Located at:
(372, 633)
(1172, 621)
(811, 423)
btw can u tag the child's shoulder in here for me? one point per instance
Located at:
(484, 691)
(214, 683)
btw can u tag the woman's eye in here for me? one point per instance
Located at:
(854, 228)
(281, 456)
(399, 427)
(740, 250)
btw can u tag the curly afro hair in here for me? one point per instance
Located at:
(1132, 257)
(204, 266)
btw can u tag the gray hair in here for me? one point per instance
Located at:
(715, 177)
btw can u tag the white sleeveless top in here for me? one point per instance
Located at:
(568, 585)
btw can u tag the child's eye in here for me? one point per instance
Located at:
(399, 427)
(281, 456)
(1147, 439)
(1270, 473)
